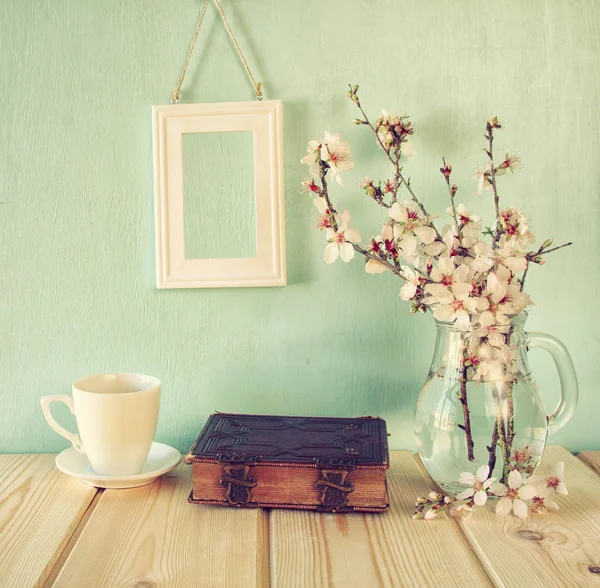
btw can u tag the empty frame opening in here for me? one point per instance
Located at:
(218, 194)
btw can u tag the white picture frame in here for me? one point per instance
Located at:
(264, 120)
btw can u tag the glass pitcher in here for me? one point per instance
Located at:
(480, 405)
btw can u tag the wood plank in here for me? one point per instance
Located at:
(325, 550)
(556, 549)
(150, 536)
(40, 509)
(591, 459)
(73, 540)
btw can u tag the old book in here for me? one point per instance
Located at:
(311, 463)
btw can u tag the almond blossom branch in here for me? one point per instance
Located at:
(532, 256)
(520, 494)
(465, 406)
(418, 203)
(524, 275)
(492, 449)
(376, 193)
(469, 283)
(393, 268)
(490, 126)
(535, 257)
(354, 97)
(510, 409)
(446, 171)
(324, 193)
(501, 432)
(399, 178)
(434, 502)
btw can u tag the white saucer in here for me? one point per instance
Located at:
(161, 459)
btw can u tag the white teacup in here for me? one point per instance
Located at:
(116, 417)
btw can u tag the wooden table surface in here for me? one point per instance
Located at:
(56, 531)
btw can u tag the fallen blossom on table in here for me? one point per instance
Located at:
(520, 496)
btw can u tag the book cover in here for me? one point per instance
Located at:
(317, 463)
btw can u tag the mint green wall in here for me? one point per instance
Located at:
(77, 293)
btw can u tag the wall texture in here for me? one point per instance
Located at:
(77, 293)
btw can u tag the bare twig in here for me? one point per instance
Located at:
(524, 276)
(446, 170)
(501, 438)
(510, 409)
(325, 194)
(397, 175)
(492, 449)
(490, 154)
(530, 256)
(465, 404)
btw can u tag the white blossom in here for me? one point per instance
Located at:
(411, 223)
(544, 499)
(321, 204)
(554, 480)
(449, 291)
(408, 291)
(514, 496)
(375, 267)
(511, 162)
(494, 304)
(313, 158)
(447, 275)
(482, 182)
(337, 155)
(341, 240)
(504, 255)
(430, 514)
(479, 483)
(516, 226)
(465, 218)
(330, 150)
(461, 511)
(455, 308)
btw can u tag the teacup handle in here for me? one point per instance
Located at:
(566, 374)
(46, 401)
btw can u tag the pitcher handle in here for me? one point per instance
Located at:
(569, 391)
(46, 401)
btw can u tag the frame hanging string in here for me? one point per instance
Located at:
(175, 98)
(257, 85)
(259, 95)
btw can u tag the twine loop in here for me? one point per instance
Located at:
(177, 90)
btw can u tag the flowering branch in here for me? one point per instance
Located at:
(533, 256)
(536, 257)
(520, 495)
(500, 435)
(464, 279)
(404, 130)
(353, 94)
(455, 284)
(446, 171)
(492, 124)
(378, 260)
(434, 502)
(324, 193)
(492, 448)
(465, 405)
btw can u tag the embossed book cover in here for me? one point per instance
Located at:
(311, 463)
